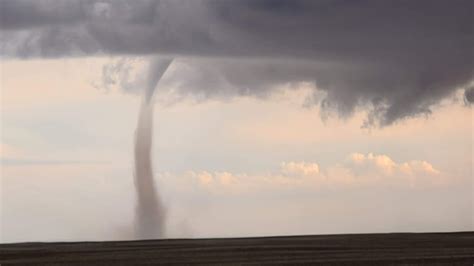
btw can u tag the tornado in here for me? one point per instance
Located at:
(150, 216)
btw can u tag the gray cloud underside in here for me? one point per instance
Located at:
(401, 57)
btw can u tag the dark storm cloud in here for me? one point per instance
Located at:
(399, 57)
(25, 14)
(469, 94)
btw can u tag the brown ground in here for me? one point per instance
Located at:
(359, 249)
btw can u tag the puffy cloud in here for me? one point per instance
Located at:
(416, 167)
(397, 58)
(205, 178)
(300, 168)
(387, 166)
(226, 178)
(380, 162)
(359, 171)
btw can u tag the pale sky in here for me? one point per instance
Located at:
(240, 166)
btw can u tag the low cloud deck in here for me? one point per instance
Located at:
(363, 249)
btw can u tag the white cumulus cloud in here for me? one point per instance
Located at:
(360, 170)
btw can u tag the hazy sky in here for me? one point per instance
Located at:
(275, 117)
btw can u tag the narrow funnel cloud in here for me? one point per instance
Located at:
(150, 211)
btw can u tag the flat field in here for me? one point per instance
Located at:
(353, 249)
